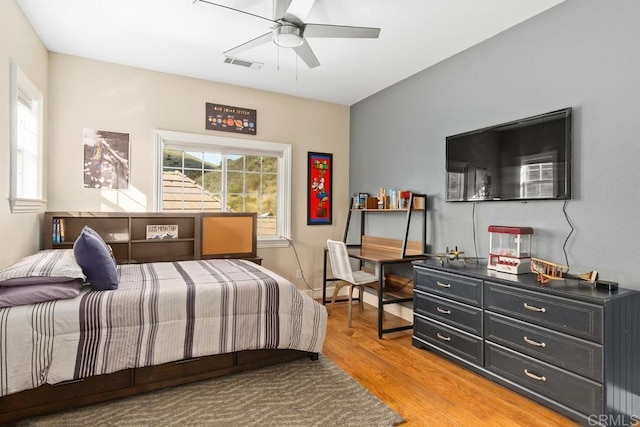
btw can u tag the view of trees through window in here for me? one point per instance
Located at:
(208, 181)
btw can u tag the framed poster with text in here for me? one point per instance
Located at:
(319, 188)
(231, 119)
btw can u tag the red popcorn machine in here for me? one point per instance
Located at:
(510, 249)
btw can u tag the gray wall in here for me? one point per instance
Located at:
(583, 54)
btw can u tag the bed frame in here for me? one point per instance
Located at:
(70, 394)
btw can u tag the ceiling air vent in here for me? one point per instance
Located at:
(242, 63)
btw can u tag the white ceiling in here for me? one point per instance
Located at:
(186, 38)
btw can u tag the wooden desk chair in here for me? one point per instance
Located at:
(341, 268)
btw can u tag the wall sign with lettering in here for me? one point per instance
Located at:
(231, 119)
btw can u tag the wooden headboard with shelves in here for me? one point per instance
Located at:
(134, 237)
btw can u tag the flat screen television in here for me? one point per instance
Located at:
(527, 159)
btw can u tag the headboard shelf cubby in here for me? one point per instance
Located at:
(154, 237)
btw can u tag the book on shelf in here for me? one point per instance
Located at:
(359, 200)
(58, 230)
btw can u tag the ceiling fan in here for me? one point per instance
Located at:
(289, 29)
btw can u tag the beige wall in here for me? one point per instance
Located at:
(19, 43)
(85, 93)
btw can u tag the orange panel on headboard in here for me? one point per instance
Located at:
(228, 234)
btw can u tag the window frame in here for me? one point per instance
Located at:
(22, 86)
(188, 141)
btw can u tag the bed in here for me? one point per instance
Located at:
(167, 323)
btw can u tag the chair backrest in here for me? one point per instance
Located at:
(340, 263)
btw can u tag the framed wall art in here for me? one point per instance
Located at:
(319, 188)
(106, 159)
(231, 119)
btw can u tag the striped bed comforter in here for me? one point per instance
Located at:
(161, 312)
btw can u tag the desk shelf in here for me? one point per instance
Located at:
(417, 203)
(384, 252)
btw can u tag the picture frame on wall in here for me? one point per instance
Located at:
(319, 188)
(228, 118)
(106, 159)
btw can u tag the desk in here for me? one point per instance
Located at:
(381, 261)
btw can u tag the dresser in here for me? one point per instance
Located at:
(570, 347)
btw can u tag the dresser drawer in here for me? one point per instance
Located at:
(581, 394)
(463, 345)
(459, 315)
(460, 288)
(574, 354)
(572, 317)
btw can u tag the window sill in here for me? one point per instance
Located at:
(26, 205)
(275, 242)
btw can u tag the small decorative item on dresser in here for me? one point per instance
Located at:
(547, 271)
(510, 249)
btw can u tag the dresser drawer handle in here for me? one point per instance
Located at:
(536, 343)
(443, 285)
(534, 308)
(534, 376)
(442, 337)
(443, 311)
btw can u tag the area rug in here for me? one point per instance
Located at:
(298, 393)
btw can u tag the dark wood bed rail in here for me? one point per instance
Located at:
(47, 398)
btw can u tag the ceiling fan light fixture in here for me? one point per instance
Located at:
(287, 36)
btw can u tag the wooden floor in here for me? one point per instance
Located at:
(425, 389)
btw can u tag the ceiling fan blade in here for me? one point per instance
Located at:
(280, 8)
(265, 38)
(234, 9)
(298, 10)
(306, 54)
(324, 30)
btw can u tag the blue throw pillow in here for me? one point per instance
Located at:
(93, 255)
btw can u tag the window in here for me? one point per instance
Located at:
(26, 144)
(216, 174)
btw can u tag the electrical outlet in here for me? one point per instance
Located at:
(298, 274)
